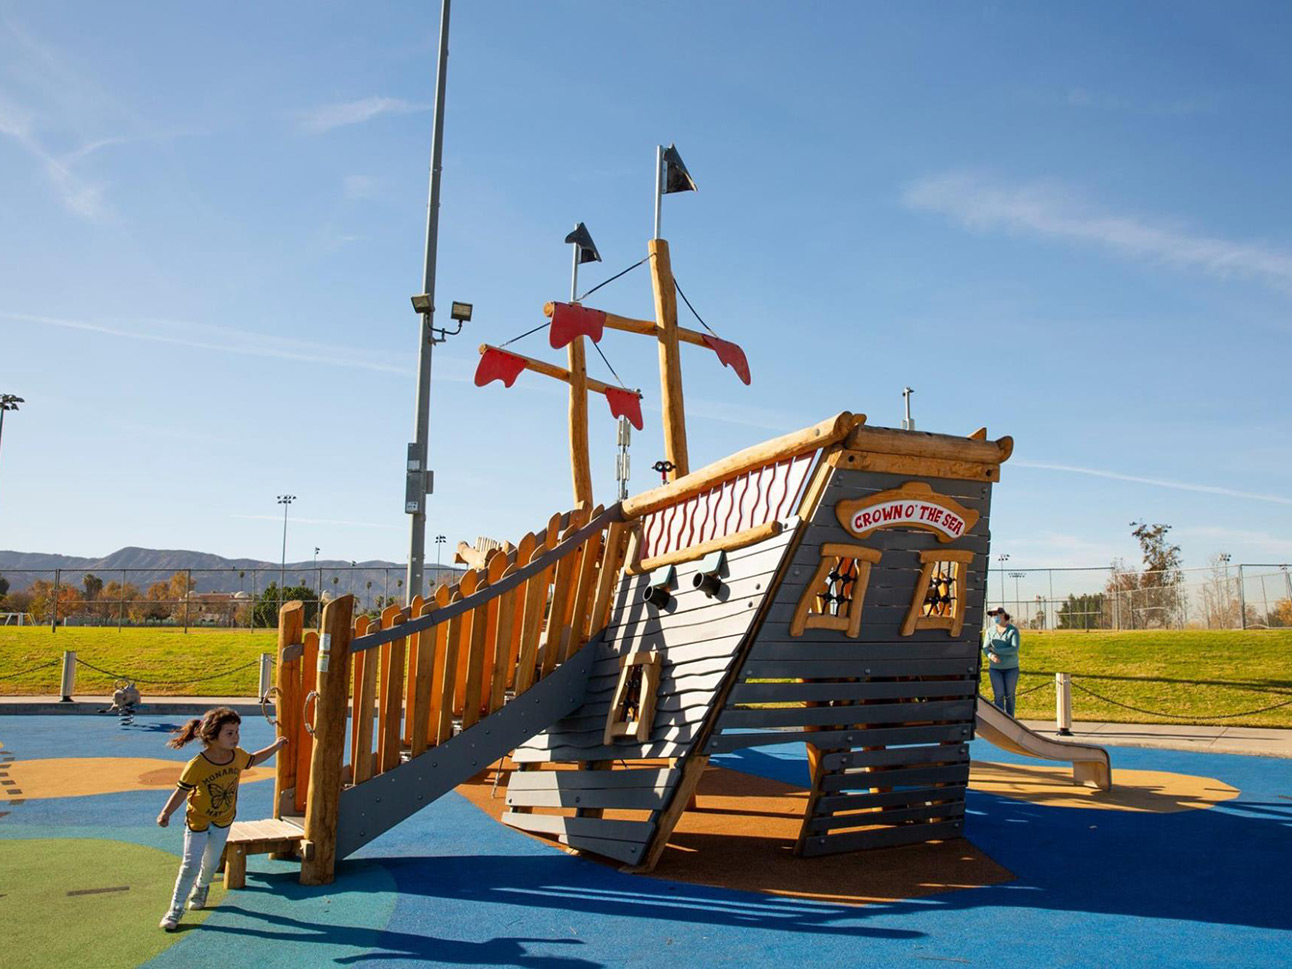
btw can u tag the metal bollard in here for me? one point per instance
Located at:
(1063, 703)
(68, 685)
(266, 673)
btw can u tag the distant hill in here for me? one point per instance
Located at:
(211, 573)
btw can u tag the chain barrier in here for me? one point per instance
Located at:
(196, 679)
(42, 666)
(1182, 716)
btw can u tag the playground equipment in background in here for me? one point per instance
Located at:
(826, 586)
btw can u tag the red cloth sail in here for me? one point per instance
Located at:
(569, 321)
(624, 403)
(730, 354)
(498, 364)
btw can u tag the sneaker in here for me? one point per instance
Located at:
(169, 922)
(197, 900)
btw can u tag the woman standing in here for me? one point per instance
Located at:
(1001, 647)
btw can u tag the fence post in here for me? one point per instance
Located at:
(1242, 600)
(1063, 703)
(322, 802)
(188, 595)
(121, 601)
(68, 685)
(53, 622)
(266, 673)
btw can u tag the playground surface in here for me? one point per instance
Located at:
(1184, 863)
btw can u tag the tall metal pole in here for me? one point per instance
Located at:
(659, 186)
(426, 341)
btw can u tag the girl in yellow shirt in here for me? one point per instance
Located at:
(210, 784)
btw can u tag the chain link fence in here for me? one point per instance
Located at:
(192, 598)
(1220, 596)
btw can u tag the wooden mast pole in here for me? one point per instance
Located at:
(670, 360)
(580, 462)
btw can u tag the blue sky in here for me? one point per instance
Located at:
(1069, 223)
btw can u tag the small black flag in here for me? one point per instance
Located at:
(676, 177)
(582, 238)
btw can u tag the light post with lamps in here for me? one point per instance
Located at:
(318, 575)
(1002, 558)
(1224, 558)
(1016, 576)
(439, 544)
(285, 501)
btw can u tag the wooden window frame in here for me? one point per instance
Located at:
(805, 619)
(954, 623)
(639, 729)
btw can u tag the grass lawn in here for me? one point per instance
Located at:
(1191, 675)
(163, 662)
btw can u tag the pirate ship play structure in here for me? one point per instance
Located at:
(826, 587)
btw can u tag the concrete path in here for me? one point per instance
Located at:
(1260, 741)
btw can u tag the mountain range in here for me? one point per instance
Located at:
(211, 573)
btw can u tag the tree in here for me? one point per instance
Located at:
(92, 585)
(41, 604)
(156, 604)
(1151, 598)
(120, 600)
(1082, 612)
(1280, 617)
(4, 587)
(267, 604)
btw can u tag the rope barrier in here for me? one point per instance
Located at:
(197, 679)
(11, 676)
(1182, 716)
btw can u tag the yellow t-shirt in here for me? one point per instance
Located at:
(212, 789)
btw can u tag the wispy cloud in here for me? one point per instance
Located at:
(1052, 210)
(318, 521)
(227, 340)
(1158, 482)
(325, 117)
(82, 196)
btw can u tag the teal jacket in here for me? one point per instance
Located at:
(1004, 643)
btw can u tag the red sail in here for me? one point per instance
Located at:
(624, 403)
(498, 364)
(730, 354)
(569, 321)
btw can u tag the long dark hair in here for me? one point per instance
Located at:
(207, 728)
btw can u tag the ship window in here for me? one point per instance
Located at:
(938, 602)
(633, 708)
(834, 597)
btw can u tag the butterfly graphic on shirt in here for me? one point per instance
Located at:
(222, 795)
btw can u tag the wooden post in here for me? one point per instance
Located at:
(580, 463)
(323, 802)
(670, 360)
(291, 626)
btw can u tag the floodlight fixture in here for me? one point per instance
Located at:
(423, 303)
(460, 312)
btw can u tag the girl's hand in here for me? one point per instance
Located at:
(163, 820)
(993, 657)
(280, 743)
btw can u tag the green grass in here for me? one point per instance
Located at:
(165, 662)
(1190, 676)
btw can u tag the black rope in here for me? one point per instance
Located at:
(10, 676)
(1183, 716)
(692, 308)
(198, 679)
(541, 326)
(607, 363)
(612, 279)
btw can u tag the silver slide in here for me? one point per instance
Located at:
(1090, 764)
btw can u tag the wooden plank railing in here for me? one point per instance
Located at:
(409, 675)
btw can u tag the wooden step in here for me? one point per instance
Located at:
(268, 836)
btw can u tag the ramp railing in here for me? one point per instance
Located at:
(406, 682)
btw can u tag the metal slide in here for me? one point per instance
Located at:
(1090, 764)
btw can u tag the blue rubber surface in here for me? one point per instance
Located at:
(452, 887)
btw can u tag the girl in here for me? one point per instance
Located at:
(210, 783)
(1001, 647)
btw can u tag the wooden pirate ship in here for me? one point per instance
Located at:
(823, 587)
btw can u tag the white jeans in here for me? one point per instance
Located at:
(202, 850)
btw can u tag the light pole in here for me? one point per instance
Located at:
(1016, 576)
(285, 501)
(439, 543)
(318, 576)
(418, 481)
(8, 402)
(1002, 558)
(1224, 558)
